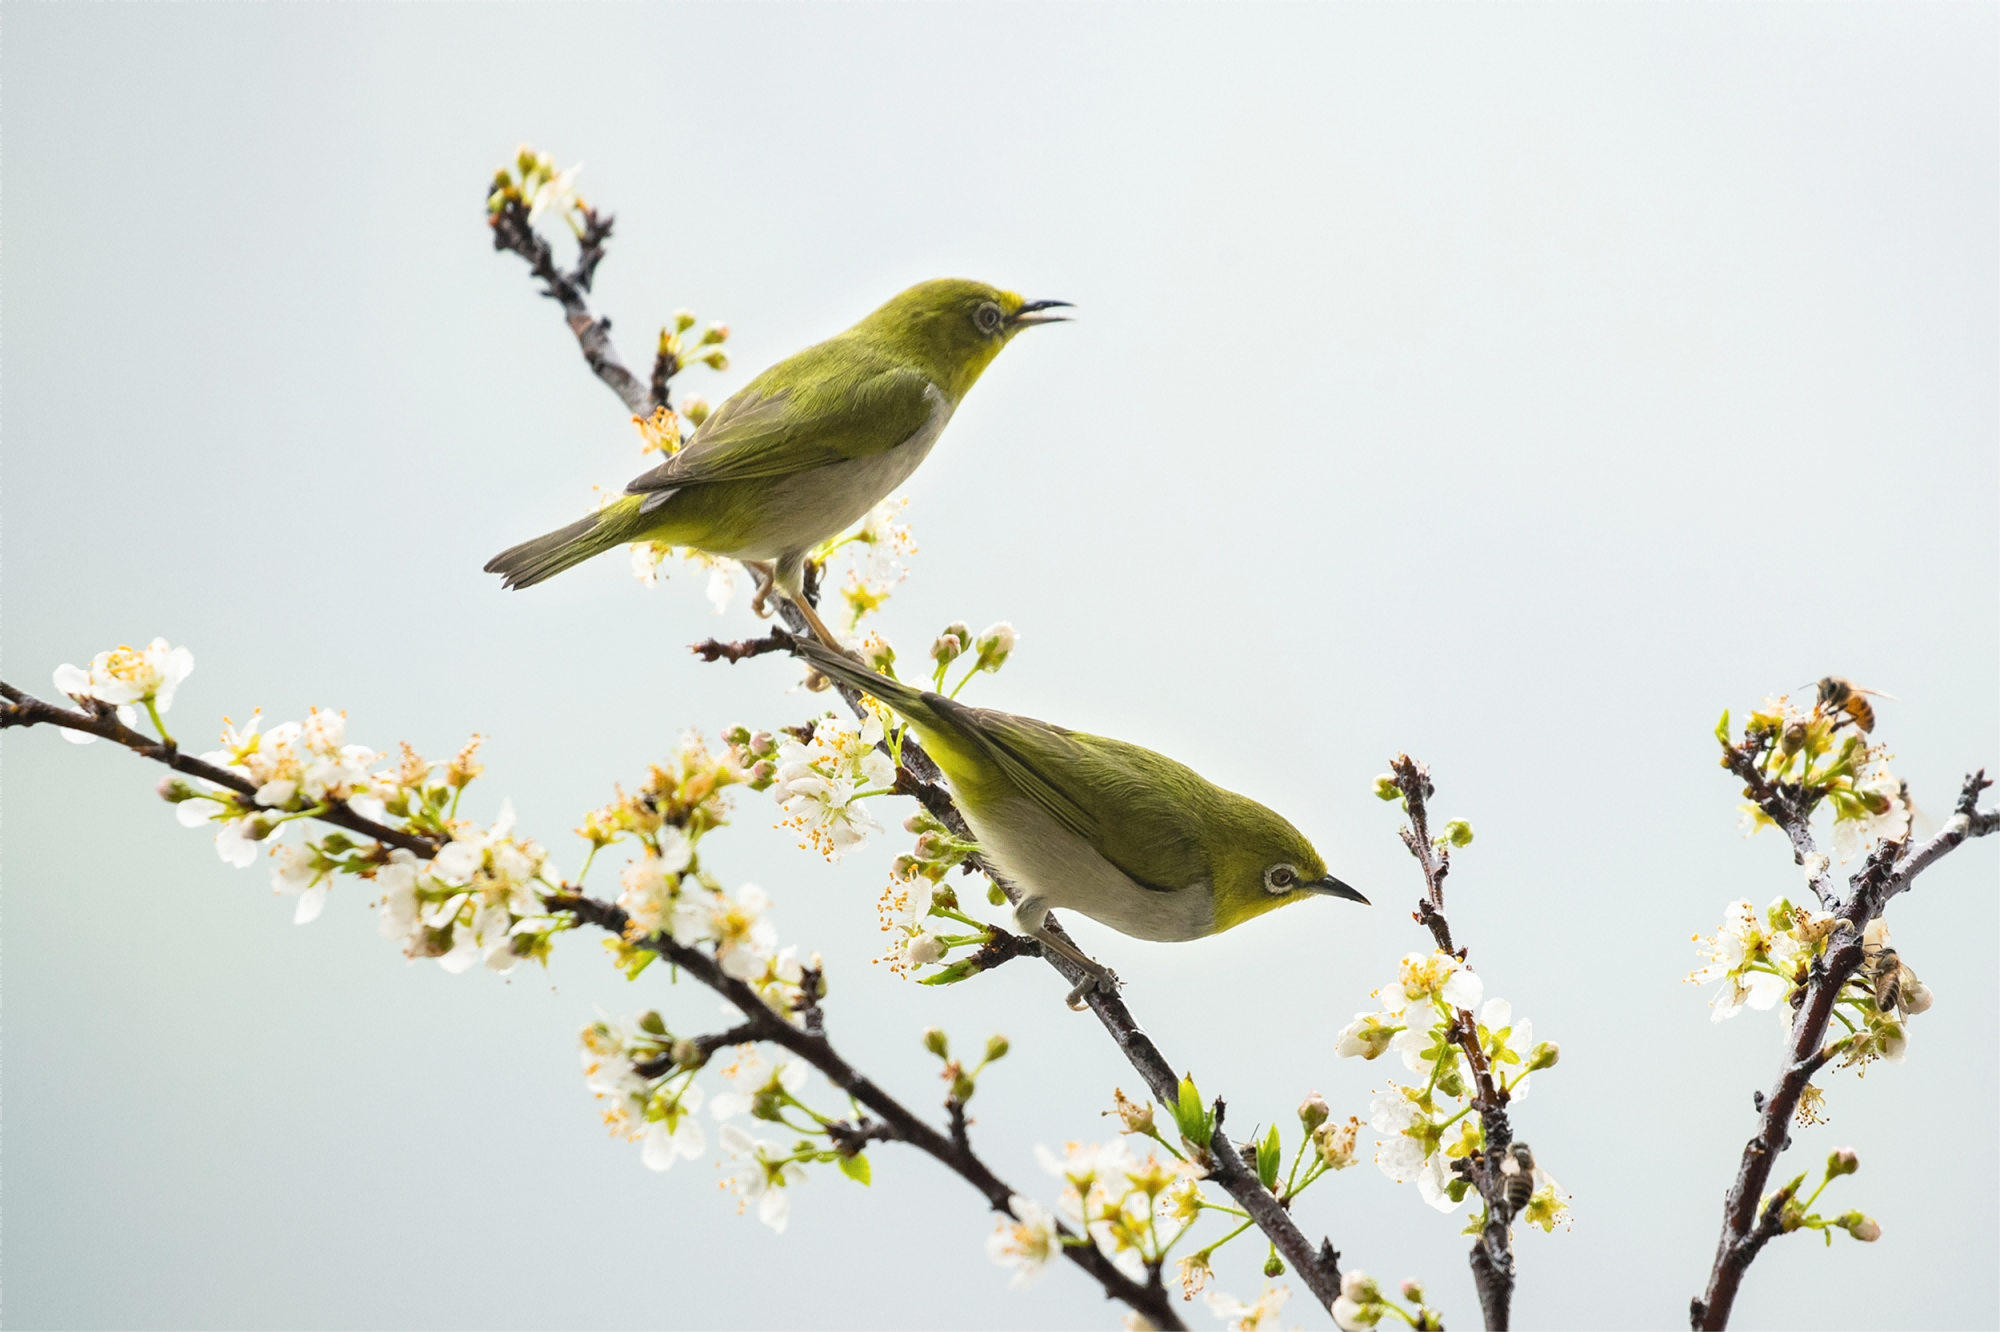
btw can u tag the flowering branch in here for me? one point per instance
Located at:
(1852, 934)
(1494, 1170)
(101, 720)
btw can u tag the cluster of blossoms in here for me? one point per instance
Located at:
(1425, 1014)
(644, 1078)
(918, 909)
(1762, 958)
(820, 778)
(1826, 752)
(878, 548)
(534, 185)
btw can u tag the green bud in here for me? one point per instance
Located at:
(173, 790)
(1360, 1288)
(713, 335)
(716, 360)
(960, 630)
(995, 894)
(1191, 1116)
(936, 1042)
(996, 1048)
(650, 1021)
(1458, 832)
(929, 846)
(1843, 1161)
(995, 644)
(962, 1087)
(736, 735)
(1864, 1228)
(762, 773)
(1270, 1157)
(683, 320)
(1313, 1111)
(1386, 788)
(1413, 1291)
(336, 843)
(946, 649)
(1450, 1083)
(768, 1104)
(922, 822)
(686, 1054)
(1274, 1266)
(1544, 1055)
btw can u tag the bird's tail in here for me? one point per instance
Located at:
(911, 702)
(546, 556)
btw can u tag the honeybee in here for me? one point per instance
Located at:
(1837, 696)
(1517, 1167)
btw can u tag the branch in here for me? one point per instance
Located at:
(1787, 804)
(1492, 1255)
(896, 1120)
(1887, 872)
(24, 709)
(714, 649)
(511, 231)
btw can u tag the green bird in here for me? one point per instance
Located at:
(1128, 837)
(807, 448)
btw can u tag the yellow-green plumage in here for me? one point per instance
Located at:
(1124, 835)
(809, 446)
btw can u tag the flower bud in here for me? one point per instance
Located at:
(695, 409)
(762, 773)
(1361, 1288)
(736, 735)
(936, 1042)
(713, 334)
(1458, 832)
(173, 790)
(1413, 1291)
(257, 828)
(716, 360)
(1843, 1161)
(687, 1054)
(768, 1104)
(929, 846)
(879, 653)
(683, 320)
(1544, 1055)
(996, 1048)
(947, 648)
(650, 1021)
(1274, 1266)
(1386, 788)
(996, 894)
(995, 644)
(1864, 1228)
(763, 745)
(1313, 1111)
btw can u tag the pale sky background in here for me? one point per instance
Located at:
(1517, 386)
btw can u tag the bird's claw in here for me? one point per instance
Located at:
(1104, 982)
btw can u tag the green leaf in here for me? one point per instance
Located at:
(855, 1167)
(1722, 729)
(1269, 1157)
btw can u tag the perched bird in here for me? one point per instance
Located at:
(1126, 836)
(805, 449)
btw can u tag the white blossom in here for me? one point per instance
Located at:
(1259, 1313)
(1027, 1243)
(769, 1182)
(129, 675)
(818, 782)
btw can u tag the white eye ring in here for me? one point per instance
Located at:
(988, 317)
(1281, 879)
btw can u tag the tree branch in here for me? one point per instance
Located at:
(949, 1150)
(1492, 1255)
(1887, 872)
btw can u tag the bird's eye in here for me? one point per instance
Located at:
(1280, 878)
(988, 317)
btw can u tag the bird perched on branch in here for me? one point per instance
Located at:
(805, 449)
(1126, 836)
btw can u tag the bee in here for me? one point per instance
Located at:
(1517, 1168)
(1885, 976)
(1837, 696)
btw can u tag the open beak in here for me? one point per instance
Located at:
(1030, 313)
(1332, 887)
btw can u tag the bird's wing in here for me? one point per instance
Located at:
(1137, 808)
(768, 431)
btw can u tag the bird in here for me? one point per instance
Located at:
(1128, 837)
(808, 447)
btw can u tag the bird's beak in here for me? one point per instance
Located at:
(1332, 887)
(1030, 313)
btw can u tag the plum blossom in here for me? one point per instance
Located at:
(751, 1076)
(820, 782)
(676, 1133)
(305, 871)
(1259, 1313)
(1027, 1242)
(652, 884)
(1435, 975)
(744, 939)
(1368, 1036)
(1754, 960)
(127, 675)
(770, 1178)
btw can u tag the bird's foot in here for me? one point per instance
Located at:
(762, 572)
(1099, 980)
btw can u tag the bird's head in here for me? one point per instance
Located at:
(1266, 863)
(954, 327)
